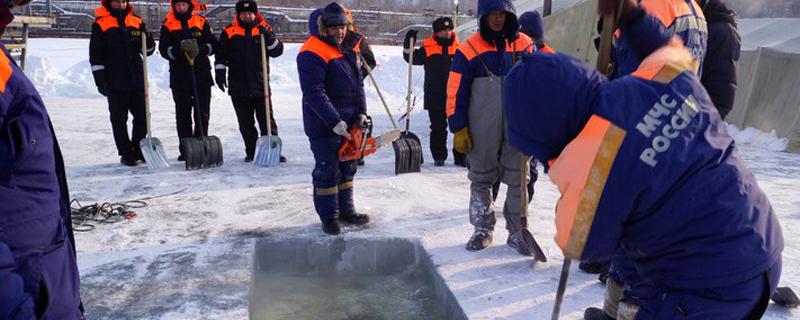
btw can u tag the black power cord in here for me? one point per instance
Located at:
(85, 218)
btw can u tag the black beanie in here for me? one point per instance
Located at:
(246, 6)
(191, 5)
(333, 15)
(442, 23)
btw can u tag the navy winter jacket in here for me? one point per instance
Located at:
(38, 271)
(484, 54)
(331, 80)
(681, 18)
(645, 167)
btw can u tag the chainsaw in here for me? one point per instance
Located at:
(362, 142)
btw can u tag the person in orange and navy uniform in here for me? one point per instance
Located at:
(683, 19)
(185, 35)
(647, 170)
(436, 55)
(115, 55)
(331, 77)
(474, 113)
(240, 52)
(39, 277)
(532, 25)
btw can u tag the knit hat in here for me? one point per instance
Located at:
(246, 6)
(186, 14)
(443, 23)
(333, 15)
(531, 23)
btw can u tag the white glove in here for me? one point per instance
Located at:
(341, 129)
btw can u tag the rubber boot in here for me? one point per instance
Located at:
(481, 216)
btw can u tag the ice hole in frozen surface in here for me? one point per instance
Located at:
(340, 278)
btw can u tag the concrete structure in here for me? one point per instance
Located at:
(769, 78)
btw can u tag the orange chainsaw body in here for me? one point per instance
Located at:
(360, 146)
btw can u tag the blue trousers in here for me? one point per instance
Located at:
(333, 179)
(745, 300)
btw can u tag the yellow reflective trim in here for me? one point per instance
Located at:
(326, 191)
(346, 185)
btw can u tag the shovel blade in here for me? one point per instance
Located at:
(153, 153)
(533, 246)
(268, 151)
(408, 154)
(202, 153)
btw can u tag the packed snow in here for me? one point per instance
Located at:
(188, 254)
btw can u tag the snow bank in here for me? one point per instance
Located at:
(754, 138)
(60, 75)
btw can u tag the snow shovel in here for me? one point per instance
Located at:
(391, 136)
(204, 151)
(151, 147)
(532, 248)
(268, 148)
(407, 149)
(603, 59)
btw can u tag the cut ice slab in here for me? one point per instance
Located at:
(347, 279)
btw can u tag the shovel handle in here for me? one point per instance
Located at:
(606, 38)
(380, 95)
(412, 46)
(146, 85)
(189, 58)
(265, 75)
(562, 287)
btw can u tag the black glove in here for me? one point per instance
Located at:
(190, 47)
(221, 79)
(409, 35)
(269, 37)
(100, 81)
(361, 121)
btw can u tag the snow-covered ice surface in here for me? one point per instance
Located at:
(188, 254)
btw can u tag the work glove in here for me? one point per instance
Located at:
(221, 79)
(341, 129)
(269, 37)
(190, 47)
(360, 121)
(100, 81)
(462, 142)
(409, 35)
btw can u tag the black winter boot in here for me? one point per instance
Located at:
(593, 313)
(128, 161)
(331, 227)
(354, 218)
(481, 239)
(594, 267)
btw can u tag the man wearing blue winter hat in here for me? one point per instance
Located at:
(333, 100)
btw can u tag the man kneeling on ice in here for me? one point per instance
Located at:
(645, 166)
(333, 100)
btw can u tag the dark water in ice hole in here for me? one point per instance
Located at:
(338, 279)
